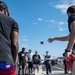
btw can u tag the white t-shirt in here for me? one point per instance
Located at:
(30, 55)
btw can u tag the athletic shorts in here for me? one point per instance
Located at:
(7, 68)
(26, 66)
(30, 65)
(36, 65)
(21, 66)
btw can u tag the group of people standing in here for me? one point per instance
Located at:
(28, 62)
(9, 31)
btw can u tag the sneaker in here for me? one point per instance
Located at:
(50, 74)
(33, 73)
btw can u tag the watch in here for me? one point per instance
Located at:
(66, 50)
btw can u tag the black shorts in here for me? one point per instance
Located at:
(22, 65)
(30, 64)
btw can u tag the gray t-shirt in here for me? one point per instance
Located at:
(7, 25)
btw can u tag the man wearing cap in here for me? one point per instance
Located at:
(8, 41)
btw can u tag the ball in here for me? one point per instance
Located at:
(42, 42)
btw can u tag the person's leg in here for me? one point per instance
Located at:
(31, 67)
(19, 70)
(46, 68)
(65, 67)
(34, 67)
(37, 67)
(49, 67)
(26, 69)
(23, 68)
(73, 68)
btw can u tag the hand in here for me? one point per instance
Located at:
(15, 64)
(51, 40)
(68, 55)
(18, 63)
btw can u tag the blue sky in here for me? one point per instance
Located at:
(38, 20)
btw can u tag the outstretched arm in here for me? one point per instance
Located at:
(63, 38)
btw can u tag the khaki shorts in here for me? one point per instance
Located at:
(73, 68)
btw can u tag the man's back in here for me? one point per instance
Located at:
(7, 25)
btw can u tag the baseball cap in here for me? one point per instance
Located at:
(3, 6)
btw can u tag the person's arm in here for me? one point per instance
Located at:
(33, 57)
(14, 38)
(71, 37)
(49, 58)
(18, 59)
(39, 57)
(63, 38)
(45, 58)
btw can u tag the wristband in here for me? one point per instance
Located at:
(67, 50)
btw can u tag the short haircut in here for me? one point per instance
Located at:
(23, 48)
(30, 50)
(46, 51)
(71, 9)
(3, 6)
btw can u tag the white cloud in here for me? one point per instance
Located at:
(24, 38)
(63, 5)
(62, 29)
(62, 23)
(40, 19)
(23, 45)
(49, 20)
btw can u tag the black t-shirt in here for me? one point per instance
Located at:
(70, 20)
(36, 59)
(21, 56)
(7, 25)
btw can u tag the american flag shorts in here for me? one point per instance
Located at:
(7, 68)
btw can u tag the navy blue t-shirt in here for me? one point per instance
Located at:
(7, 26)
(47, 61)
